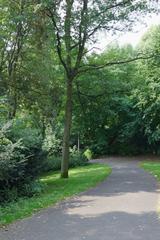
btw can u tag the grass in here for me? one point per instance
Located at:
(153, 168)
(56, 189)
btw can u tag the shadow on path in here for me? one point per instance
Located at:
(123, 207)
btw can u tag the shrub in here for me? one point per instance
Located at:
(77, 159)
(32, 188)
(54, 162)
(88, 154)
(52, 144)
(17, 168)
(32, 140)
(12, 165)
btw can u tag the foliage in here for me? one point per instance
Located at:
(18, 168)
(54, 162)
(113, 107)
(88, 154)
(84, 19)
(24, 129)
(52, 143)
(12, 166)
(118, 106)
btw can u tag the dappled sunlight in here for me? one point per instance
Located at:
(49, 178)
(87, 169)
(92, 206)
(121, 207)
(55, 189)
(76, 173)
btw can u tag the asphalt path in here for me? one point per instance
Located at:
(123, 207)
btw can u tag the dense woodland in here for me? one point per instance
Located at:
(50, 77)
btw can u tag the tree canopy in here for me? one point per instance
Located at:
(60, 97)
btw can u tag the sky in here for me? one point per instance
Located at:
(128, 37)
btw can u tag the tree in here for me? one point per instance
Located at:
(15, 28)
(75, 24)
(147, 100)
(101, 104)
(29, 80)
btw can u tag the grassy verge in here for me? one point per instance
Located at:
(56, 189)
(153, 168)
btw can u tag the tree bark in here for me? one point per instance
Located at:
(12, 94)
(67, 128)
(12, 107)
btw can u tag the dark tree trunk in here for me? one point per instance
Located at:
(67, 128)
(12, 105)
(43, 128)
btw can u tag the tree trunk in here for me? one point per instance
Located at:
(67, 128)
(12, 104)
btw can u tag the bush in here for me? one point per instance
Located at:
(77, 158)
(88, 154)
(32, 188)
(32, 140)
(54, 162)
(52, 144)
(12, 165)
(22, 160)
(18, 168)
(8, 195)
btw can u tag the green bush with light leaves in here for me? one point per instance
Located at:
(16, 179)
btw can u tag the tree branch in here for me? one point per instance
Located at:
(82, 30)
(58, 38)
(90, 67)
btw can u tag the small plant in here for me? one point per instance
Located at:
(52, 144)
(88, 154)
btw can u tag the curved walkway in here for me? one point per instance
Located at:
(121, 208)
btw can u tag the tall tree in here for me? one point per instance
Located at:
(15, 21)
(75, 26)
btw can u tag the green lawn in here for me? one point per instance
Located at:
(56, 189)
(153, 168)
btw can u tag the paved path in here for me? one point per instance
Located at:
(121, 208)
